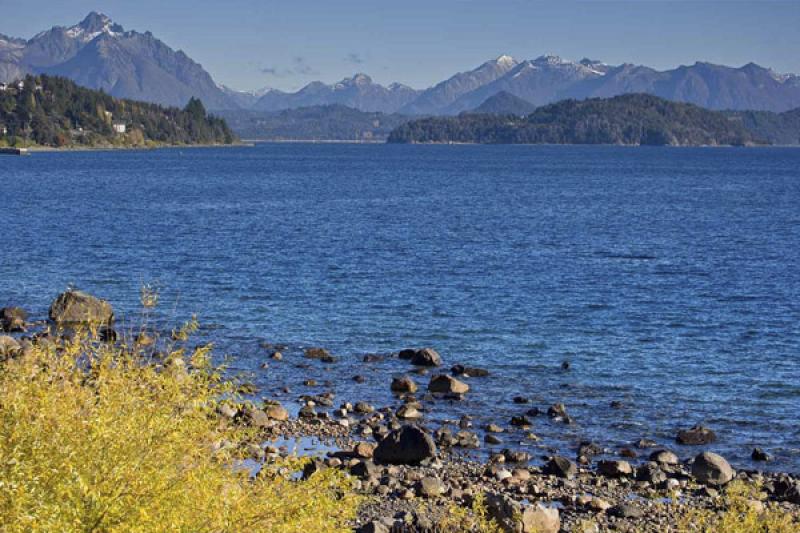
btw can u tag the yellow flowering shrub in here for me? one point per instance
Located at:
(95, 437)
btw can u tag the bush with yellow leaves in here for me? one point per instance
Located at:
(96, 437)
(744, 512)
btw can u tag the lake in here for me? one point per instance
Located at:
(667, 278)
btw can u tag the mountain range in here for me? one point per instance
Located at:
(100, 54)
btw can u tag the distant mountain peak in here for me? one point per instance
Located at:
(357, 79)
(94, 25)
(505, 60)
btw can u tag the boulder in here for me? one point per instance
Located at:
(615, 468)
(651, 473)
(276, 411)
(12, 319)
(407, 354)
(408, 412)
(558, 410)
(407, 445)
(9, 347)
(560, 467)
(426, 357)
(712, 469)
(443, 383)
(664, 457)
(252, 417)
(76, 307)
(317, 353)
(695, 436)
(513, 517)
(469, 371)
(759, 455)
(404, 384)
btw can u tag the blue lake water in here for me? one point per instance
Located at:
(668, 278)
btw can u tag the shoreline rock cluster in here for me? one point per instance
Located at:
(412, 472)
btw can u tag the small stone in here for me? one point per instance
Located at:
(277, 356)
(430, 487)
(759, 455)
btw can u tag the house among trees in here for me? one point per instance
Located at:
(120, 127)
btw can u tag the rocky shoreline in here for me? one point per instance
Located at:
(411, 471)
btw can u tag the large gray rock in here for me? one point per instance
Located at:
(712, 469)
(513, 517)
(76, 307)
(447, 384)
(12, 319)
(561, 467)
(407, 445)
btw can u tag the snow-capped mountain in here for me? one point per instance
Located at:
(358, 92)
(99, 54)
(439, 97)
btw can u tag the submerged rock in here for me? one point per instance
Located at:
(426, 357)
(468, 371)
(404, 384)
(407, 445)
(696, 436)
(76, 307)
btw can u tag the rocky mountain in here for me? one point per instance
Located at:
(358, 92)
(505, 103)
(441, 96)
(99, 54)
(244, 99)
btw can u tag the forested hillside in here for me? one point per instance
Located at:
(635, 119)
(55, 112)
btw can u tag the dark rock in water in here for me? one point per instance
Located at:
(9, 347)
(316, 353)
(442, 383)
(404, 384)
(560, 467)
(363, 408)
(461, 370)
(516, 456)
(520, 421)
(625, 510)
(372, 358)
(76, 307)
(406, 445)
(589, 449)
(12, 319)
(407, 354)
(307, 412)
(520, 399)
(616, 404)
(712, 469)
(664, 457)
(492, 439)
(627, 453)
(359, 379)
(467, 439)
(107, 334)
(696, 436)
(408, 412)
(759, 455)
(426, 357)
(646, 443)
(493, 428)
(558, 410)
(565, 365)
(615, 468)
(534, 411)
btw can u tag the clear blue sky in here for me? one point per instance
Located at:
(249, 44)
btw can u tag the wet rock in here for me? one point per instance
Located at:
(252, 417)
(277, 356)
(516, 456)
(307, 411)
(627, 453)
(646, 443)
(404, 384)
(431, 487)
(372, 358)
(359, 379)
(363, 408)
(560, 467)
(276, 411)
(759, 455)
(406, 445)
(12, 319)
(408, 412)
(316, 353)
(407, 354)
(696, 436)
(521, 421)
(442, 383)
(9, 347)
(426, 357)
(310, 382)
(557, 410)
(534, 411)
(520, 399)
(492, 439)
(467, 439)
(469, 371)
(365, 469)
(664, 457)
(76, 307)
(626, 510)
(712, 469)
(589, 449)
(493, 428)
(615, 468)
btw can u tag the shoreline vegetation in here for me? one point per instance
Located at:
(104, 429)
(51, 112)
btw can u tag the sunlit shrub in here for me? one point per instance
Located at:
(745, 512)
(101, 438)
